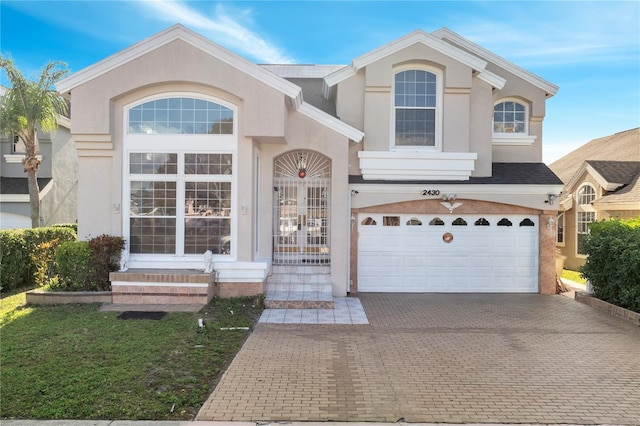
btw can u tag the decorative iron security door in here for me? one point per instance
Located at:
(302, 180)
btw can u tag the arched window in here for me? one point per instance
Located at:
(505, 222)
(180, 115)
(585, 212)
(417, 105)
(482, 222)
(436, 221)
(459, 222)
(368, 221)
(510, 116)
(180, 169)
(414, 221)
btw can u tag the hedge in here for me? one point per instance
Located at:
(613, 262)
(26, 255)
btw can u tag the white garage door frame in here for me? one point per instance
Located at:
(407, 253)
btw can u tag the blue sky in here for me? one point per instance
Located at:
(590, 49)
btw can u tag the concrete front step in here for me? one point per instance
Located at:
(299, 287)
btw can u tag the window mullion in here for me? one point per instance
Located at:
(180, 203)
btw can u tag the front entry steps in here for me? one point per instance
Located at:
(299, 287)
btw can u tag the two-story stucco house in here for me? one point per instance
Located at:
(57, 179)
(416, 168)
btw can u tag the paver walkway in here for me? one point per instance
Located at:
(440, 358)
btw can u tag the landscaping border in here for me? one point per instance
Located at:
(601, 305)
(40, 297)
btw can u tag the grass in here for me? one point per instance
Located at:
(76, 362)
(573, 276)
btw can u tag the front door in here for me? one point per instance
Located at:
(301, 208)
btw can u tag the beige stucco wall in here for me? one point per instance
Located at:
(364, 100)
(304, 133)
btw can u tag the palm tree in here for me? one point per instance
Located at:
(26, 108)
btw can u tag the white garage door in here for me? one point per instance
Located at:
(448, 253)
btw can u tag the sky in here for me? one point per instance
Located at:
(590, 49)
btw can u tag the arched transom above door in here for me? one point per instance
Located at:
(303, 164)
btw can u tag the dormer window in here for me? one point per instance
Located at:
(511, 123)
(417, 105)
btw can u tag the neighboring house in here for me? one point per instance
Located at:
(602, 180)
(57, 179)
(416, 168)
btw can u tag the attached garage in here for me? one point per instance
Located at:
(448, 253)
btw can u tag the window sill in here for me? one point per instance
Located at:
(509, 139)
(17, 158)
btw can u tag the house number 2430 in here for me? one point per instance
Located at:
(430, 192)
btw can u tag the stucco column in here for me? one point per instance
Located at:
(547, 265)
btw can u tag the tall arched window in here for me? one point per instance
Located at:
(585, 214)
(179, 195)
(417, 108)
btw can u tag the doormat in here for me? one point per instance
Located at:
(141, 315)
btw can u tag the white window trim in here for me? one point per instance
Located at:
(17, 158)
(513, 139)
(438, 110)
(582, 208)
(559, 218)
(195, 143)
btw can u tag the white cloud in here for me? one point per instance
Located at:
(222, 28)
(565, 33)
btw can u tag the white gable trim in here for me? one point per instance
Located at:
(417, 36)
(446, 34)
(331, 122)
(179, 32)
(586, 167)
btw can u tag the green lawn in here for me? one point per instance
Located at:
(75, 362)
(573, 276)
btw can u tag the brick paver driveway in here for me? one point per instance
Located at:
(441, 358)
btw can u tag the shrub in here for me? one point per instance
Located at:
(106, 256)
(18, 254)
(43, 259)
(613, 250)
(75, 272)
(13, 258)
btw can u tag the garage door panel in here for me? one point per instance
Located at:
(480, 258)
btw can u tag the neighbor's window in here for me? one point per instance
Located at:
(18, 146)
(510, 117)
(585, 214)
(560, 226)
(416, 108)
(181, 116)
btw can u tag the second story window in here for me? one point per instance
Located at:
(18, 145)
(416, 106)
(510, 117)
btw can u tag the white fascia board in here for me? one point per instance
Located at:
(605, 184)
(417, 36)
(492, 79)
(548, 87)
(391, 188)
(64, 122)
(172, 33)
(14, 198)
(331, 122)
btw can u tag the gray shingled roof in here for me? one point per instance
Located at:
(501, 174)
(312, 94)
(19, 186)
(622, 172)
(622, 146)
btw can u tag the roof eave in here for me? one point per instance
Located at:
(549, 88)
(414, 37)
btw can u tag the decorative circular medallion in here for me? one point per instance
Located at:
(447, 237)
